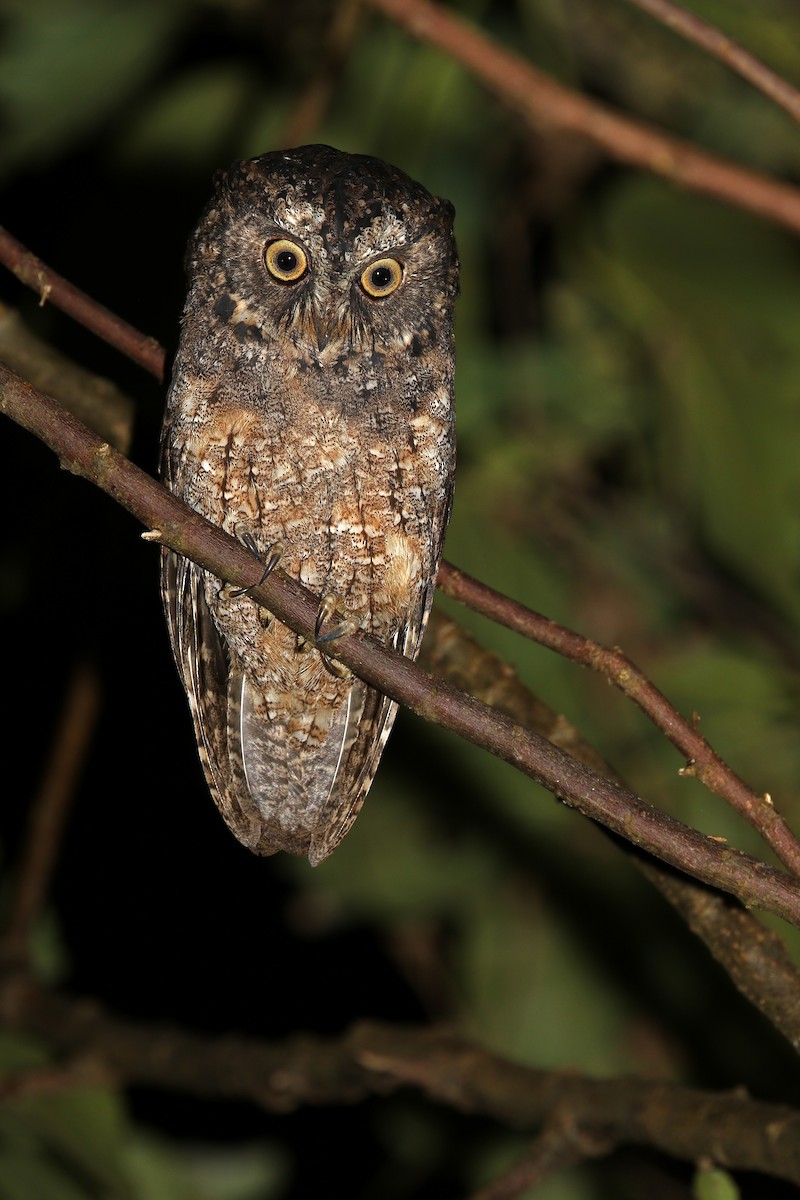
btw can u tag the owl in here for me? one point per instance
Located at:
(310, 415)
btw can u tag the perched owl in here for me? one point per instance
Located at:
(310, 415)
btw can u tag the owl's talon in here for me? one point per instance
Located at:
(247, 540)
(327, 607)
(337, 669)
(343, 629)
(274, 556)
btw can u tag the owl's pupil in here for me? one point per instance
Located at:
(286, 261)
(381, 277)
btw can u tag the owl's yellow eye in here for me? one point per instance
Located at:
(285, 260)
(382, 278)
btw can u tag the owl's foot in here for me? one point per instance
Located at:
(337, 669)
(327, 607)
(302, 646)
(274, 556)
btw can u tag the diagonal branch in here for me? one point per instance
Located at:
(52, 287)
(546, 104)
(716, 43)
(176, 525)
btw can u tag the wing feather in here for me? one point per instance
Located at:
(275, 792)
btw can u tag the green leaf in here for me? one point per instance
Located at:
(712, 1183)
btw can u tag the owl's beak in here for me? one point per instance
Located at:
(324, 327)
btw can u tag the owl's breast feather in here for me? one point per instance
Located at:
(352, 518)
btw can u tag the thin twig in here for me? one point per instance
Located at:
(373, 1059)
(716, 43)
(703, 763)
(49, 812)
(174, 524)
(561, 1144)
(53, 288)
(548, 105)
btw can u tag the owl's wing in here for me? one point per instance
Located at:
(244, 756)
(365, 737)
(273, 793)
(212, 688)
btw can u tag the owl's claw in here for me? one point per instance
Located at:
(327, 607)
(274, 556)
(337, 669)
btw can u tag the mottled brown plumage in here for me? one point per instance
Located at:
(311, 408)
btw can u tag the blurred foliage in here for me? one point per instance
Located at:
(628, 421)
(71, 1144)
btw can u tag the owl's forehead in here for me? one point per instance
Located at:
(339, 205)
(353, 226)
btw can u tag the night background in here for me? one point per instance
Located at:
(628, 398)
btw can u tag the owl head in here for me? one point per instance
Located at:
(329, 252)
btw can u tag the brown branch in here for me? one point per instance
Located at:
(372, 1059)
(548, 105)
(97, 402)
(49, 812)
(716, 43)
(560, 1144)
(176, 525)
(59, 291)
(754, 957)
(703, 763)
(43, 1081)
